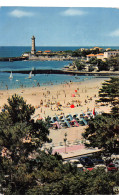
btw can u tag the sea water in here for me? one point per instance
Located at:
(21, 80)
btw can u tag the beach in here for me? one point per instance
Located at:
(57, 99)
(69, 98)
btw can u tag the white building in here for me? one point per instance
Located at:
(98, 56)
(109, 54)
(104, 55)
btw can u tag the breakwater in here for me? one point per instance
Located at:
(52, 58)
(51, 71)
(11, 59)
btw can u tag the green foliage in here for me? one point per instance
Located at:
(105, 65)
(81, 53)
(80, 65)
(93, 61)
(18, 110)
(102, 132)
(115, 111)
(88, 183)
(110, 93)
(102, 65)
(76, 53)
(113, 62)
(20, 137)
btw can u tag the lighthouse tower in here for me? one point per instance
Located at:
(33, 51)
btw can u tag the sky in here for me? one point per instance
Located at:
(59, 26)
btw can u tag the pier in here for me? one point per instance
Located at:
(77, 73)
(11, 59)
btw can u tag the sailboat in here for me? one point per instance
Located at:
(11, 76)
(30, 75)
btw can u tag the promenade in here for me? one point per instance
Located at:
(73, 150)
(74, 145)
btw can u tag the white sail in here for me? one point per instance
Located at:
(11, 76)
(30, 75)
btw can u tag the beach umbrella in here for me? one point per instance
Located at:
(73, 95)
(72, 106)
(69, 116)
(75, 123)
(57, 125)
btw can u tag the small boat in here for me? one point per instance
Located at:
(10, 60)
(11, 76)
(30, 75)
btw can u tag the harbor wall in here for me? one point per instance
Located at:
(11, 59)
(50, 71)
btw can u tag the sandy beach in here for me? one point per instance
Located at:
(55, 100)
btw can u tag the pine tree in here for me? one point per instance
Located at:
(103, 130)
(20, 138)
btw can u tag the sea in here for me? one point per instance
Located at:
(22, 81)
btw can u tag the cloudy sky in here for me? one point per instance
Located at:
(59, 26)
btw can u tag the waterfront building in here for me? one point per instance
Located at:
(47, 51)
(33, 51)
(97, 48)
(90, 56)
(109, 54)
(104, 55)
(98, 56)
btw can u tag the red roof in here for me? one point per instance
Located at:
(93, 55)
(100, 54)
(47, 51)
(90, 55)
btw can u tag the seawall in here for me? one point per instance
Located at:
(51, 71)
(11, 59)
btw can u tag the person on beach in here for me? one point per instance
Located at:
(7, 87)
(41, 102)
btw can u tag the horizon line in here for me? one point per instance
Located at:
(61, 46)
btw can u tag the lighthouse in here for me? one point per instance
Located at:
(33, 51)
